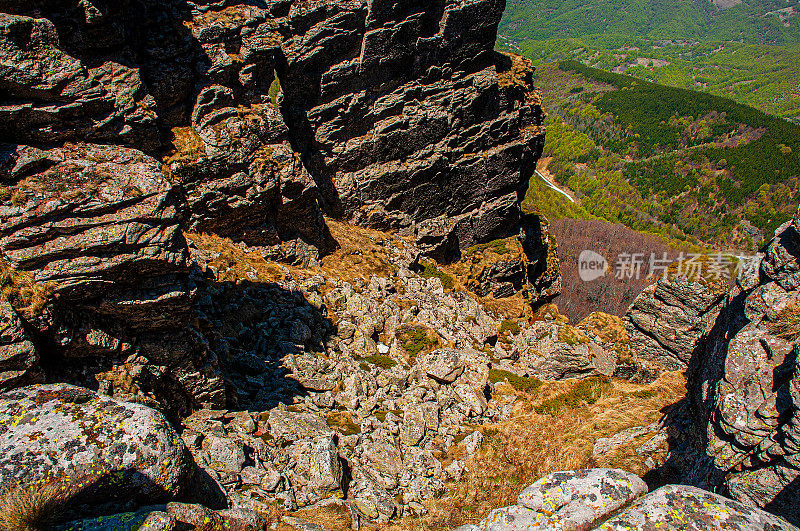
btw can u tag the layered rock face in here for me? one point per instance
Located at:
(125, 123)
(404, 123)
(98, 226)
(667, 321)
(743, 386)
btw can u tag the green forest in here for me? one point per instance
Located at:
(687, 165)
(747, 51)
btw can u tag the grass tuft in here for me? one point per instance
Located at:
(510, 326)
(31, 508)
(787, 322)
(520, 383)
(26, 295)
(416, 339)
(432, 271)
(384, 362)
(586, 391)
(343, 422)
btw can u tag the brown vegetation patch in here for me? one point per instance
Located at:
(27, 296)
(32, 508)
(187, 146)
(519, 451)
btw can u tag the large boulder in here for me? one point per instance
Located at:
(667, 321)
(608, 499)
(679, 507)
(107, 455)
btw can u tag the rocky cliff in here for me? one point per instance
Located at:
(743, 383)
(124, 124)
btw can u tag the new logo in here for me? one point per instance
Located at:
(591, 265)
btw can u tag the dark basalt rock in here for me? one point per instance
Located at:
(403, 121)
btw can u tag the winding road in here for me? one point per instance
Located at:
(554, 187)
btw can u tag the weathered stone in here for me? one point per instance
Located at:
(688, 508)
(669, 318)
(576, 500)
(19, 360)
(318, 460)
(112, 453)
(292, 426)
(743, 390)
(443, 365)
(99, 233)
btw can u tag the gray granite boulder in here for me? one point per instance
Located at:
(614, 500)
(108, 454)
(570, 500)
(679, 507)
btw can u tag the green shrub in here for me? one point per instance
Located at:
(431, 271)
(520, 383)
(498, 246)
(586, 391)
(414, 340)
(511, 326)
(384, 362)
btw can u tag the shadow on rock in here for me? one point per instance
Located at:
(266, 337)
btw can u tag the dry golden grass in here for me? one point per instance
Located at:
(360, 255)
(787, 322)
(519, 451)
(26, 295)
(33, 508)
(187, 146)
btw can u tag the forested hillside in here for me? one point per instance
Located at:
(687, 165)
(747, 51)
(750, 21)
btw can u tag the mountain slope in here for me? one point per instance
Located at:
(769, 22)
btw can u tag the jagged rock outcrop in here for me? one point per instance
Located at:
(404, 121)
(609, 499)
(667, 321)
(743, 387)
(104, 454)
(19, 360)
(257, 117)
(399, 115)
(98, 226)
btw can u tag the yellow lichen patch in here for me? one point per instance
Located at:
(27, 296)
